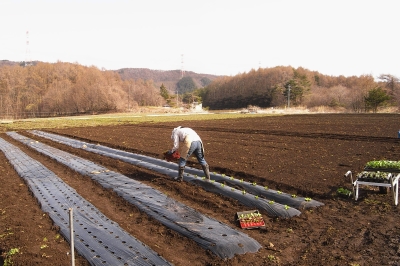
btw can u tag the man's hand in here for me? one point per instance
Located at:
(171, 156)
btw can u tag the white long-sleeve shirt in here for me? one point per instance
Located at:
(180, 133)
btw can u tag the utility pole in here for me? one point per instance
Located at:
(288, 97)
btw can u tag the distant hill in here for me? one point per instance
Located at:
(169, 78)
(8, 63)
(13, 63)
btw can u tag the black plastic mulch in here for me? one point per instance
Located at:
(97, 238)
(209, 233)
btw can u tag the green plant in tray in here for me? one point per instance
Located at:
(253, 217)
(373, 175)
(383, 164)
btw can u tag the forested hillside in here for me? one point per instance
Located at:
(286, 86)
(57, 89)
(60, 89)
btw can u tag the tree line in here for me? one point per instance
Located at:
(57, 89)
(290, 87)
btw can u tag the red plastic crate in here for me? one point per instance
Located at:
(247, 222)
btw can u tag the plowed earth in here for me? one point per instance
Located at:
(306, 155)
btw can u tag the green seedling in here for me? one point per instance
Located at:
(343, 191)
(13, 251)
(7, 233)
(266, 187)
(307, 199)
(286, 207)
(10, 253)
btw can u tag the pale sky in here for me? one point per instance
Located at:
(220, 37)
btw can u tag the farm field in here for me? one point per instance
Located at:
(303, 155)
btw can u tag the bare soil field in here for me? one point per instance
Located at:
(305, 155)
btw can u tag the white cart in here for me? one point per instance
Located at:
(392, 183)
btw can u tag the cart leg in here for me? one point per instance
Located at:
(395, 190)
(392, 188)
(356, 195)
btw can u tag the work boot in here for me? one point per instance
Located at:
(206, 170)
(179, 178)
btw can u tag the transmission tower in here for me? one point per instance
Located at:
(28, 52)
(182, 69)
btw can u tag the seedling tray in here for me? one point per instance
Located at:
(387, 170)
(250, 219)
